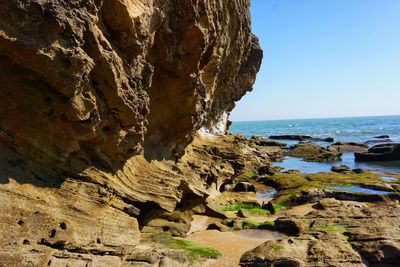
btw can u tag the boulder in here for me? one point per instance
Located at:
(327, 203)
(359, 171)
(281, 253)
(349, 147)
(344, 234)
(270, 207)
(289, 226)
(294, 137)
(298, 137)
(383, 152)
(308, 196)
(314, 153)
(340, 169)
(219, 226)
(382, 136)
(266, 170)
(379, 141)
(261, 141)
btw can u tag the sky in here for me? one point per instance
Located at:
(325, 58)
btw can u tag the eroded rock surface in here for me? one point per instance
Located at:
(100, 103)
(383, 152)
(342, 234)
(314, 153)
(95, 82)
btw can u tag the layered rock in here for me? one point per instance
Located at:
(100, 103)
(96, 82)
(341, 234)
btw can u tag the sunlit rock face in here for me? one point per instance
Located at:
(95, 82)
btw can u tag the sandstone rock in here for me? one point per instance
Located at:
(314, 153)
(219, 226)
(281, 253)
(94, 73)
(340, 169)
(327, 203)
(266, 170)
(244, 187)
(261, 141)
(102, 100)
(289, 226)
(349, 147)
(337, 236)
(309, 196)
(384, 152)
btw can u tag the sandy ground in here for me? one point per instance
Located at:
(232, 245)
(299, 210)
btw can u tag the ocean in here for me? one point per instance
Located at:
(355, 129)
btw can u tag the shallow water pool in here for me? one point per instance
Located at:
(389, 179)
(267, 194)
(292, 163)
(359, 189)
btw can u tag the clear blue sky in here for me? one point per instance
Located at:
(325, 58)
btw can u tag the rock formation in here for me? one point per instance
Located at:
(341, 234)
(100, 102)
(383, 152)
(96, 82)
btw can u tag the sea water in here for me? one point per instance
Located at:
(357, 129)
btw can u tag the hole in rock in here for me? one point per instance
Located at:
(63, 225)
(53, 233)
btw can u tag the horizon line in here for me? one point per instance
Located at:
(319, 118)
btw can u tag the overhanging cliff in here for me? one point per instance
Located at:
(100, 103)
(93, 83)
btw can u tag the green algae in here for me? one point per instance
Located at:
(193, 251)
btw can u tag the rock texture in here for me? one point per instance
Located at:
(96, 82)
(383, 152)
(100, 103)
(342, 234)
(314, 153)
(349, 147)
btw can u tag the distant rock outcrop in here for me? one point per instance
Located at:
(383, 152)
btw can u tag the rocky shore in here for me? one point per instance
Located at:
(114, 152)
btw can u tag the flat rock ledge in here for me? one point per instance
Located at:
(340, 234)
